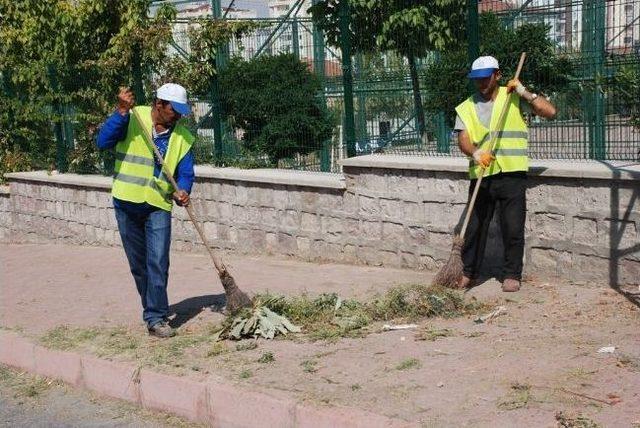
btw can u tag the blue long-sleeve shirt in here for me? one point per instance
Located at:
(114, 129)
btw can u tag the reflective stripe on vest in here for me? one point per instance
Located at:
(124, 157)
(134, 179)
(511, 145)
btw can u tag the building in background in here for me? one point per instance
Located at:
(623, 26)
(297, 26)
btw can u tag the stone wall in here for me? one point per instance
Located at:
(582, 223)
(5, 212)
(583, 218)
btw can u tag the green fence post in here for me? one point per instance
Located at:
(318, 49)
(318, 68)
(593, 42)
(216, 105)
(325, 156)
(295, 38)
(361, 112)
(473, 35)
(442, 130)
(222, 56)
(136, 74)
(347, 78)
(58, 131)
(67, 126)
(442, 134)
(599, 138)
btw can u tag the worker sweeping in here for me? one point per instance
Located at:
(142, 198)
(505, 166)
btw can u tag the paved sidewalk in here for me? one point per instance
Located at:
(44, 286)
(540, 358)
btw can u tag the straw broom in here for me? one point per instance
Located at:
(450, 273)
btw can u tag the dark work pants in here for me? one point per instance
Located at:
(507, 191)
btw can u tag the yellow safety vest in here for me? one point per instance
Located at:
(511, 145)
(133, 178)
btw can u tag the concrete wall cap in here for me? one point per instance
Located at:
(94, 181)
(607, 170)
(274, 176)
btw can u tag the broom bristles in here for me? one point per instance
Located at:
(450, 273)
(236, 299)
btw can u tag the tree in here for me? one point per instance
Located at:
(62, 62)
(412, 28)
(274, 103)
(545, 71)
(627, 88)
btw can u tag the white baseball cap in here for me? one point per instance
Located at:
(483, 67)
(176, 95)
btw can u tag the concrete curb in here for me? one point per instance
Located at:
(213, 403)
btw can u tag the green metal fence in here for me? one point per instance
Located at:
(396, 94)
(597, 40)
(379, 109)
(290, 34)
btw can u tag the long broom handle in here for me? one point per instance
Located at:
(220, 267)
(492, 143)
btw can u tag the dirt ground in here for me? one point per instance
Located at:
(521, 369)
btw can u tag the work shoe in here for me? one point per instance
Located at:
(466, 283)
(510, 285)
(161, 329)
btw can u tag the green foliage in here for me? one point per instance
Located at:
(274, 102)
(71, 56)
(327, 316)
(63, 61)
(627, 85)
(545, 71)
(260, 321)
(411, 27)
(417, 301)
(387, 71)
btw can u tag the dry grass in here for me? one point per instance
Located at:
(25, 385)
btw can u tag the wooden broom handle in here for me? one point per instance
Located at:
(220, 267)
(492, 144)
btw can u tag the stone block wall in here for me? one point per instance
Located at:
(583, 219)
(5, 212)
(68, 208)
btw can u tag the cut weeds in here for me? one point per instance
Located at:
(325, 317)
(329, 317)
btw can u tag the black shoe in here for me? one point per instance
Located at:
(162, 329)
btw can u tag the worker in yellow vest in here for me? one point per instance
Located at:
(505, 178)
(142, 196)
